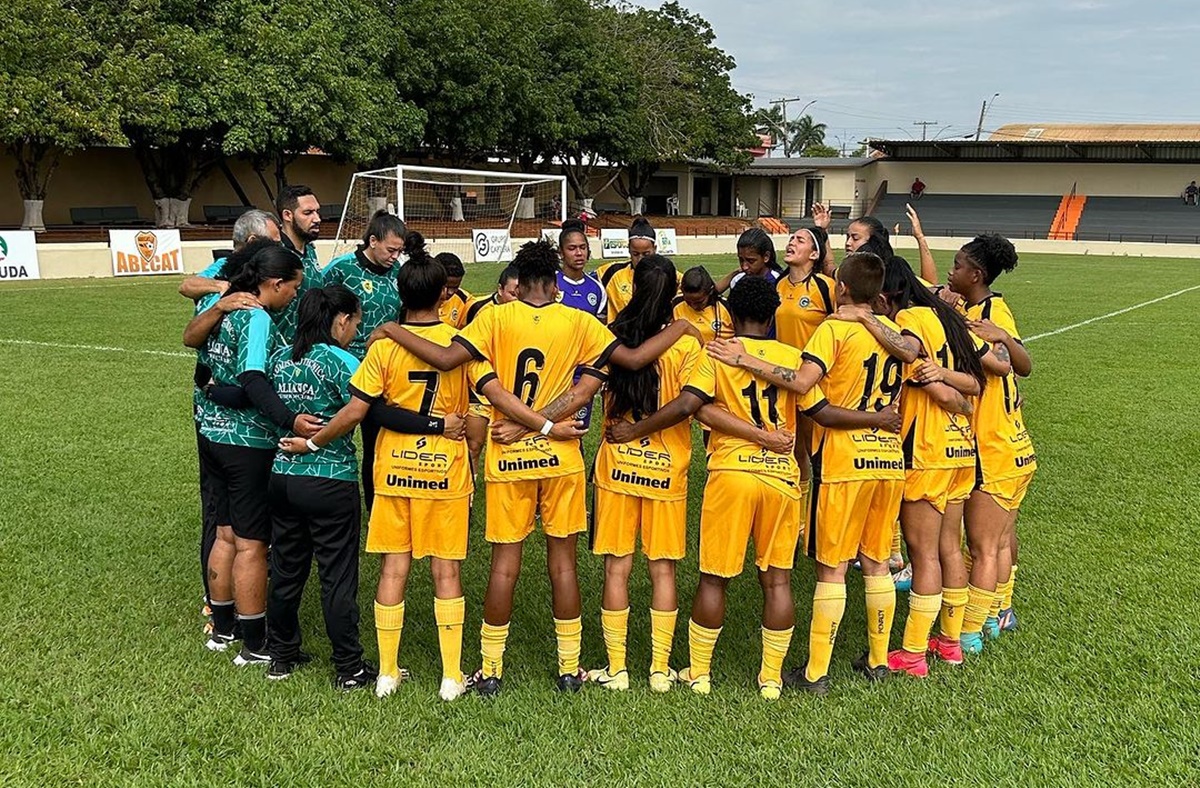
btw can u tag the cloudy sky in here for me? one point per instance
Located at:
(876, 67)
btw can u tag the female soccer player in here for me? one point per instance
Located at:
(939, 454)
(1006, 459)
(239, 450)
(699, 304)
(453, 311)
(315, 510)
(756, 257)
(617, 278)
(423, 483)
(577, 288)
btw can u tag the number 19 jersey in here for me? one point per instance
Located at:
(418, 466)
(757, 402)
(859, 375)
(534, 351)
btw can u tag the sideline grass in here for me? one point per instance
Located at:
(104, 678)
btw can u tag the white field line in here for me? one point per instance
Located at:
(1097, 319)
(98, 348)
(7, 289)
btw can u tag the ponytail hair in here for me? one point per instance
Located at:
(319, 307)
(382, 225)
(904, 290)
(270, 262)
(698, 280)
(650, 308)
(422, 279)
(235, 262)
(993, 254)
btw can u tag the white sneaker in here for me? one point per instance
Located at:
(451, 689)
(386, 685)
(903, 579)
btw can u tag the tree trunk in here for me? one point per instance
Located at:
(162, 212)
(33, 216)
(180, 211)
(636, 205)
(36, 163)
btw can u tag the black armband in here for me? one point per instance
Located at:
(403, 420)
(262, 396)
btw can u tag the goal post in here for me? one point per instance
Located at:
(474, 213)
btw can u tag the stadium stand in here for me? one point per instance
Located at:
(965, 215)
(1146, 219)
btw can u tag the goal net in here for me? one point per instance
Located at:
(477, 214)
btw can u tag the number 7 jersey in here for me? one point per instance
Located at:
(418, 466)
(859, 375)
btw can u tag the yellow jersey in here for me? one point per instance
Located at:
(453, 311)
(657, 466)
(534, 351)
(713, 322)
(930, 436)
(617, 279)
(419, 466)
(754, 401)
(803, 306)
(860, 375)
(1001, 437)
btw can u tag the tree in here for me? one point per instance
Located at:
(50, 102)
(806, 133)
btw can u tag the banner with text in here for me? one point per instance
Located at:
(614, 244)
(491, 246)
(18, 256)
(145, 252)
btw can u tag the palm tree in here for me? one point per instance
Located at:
(804, 133)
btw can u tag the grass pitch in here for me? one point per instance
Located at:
(104, 678)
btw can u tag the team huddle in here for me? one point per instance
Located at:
(840, 406)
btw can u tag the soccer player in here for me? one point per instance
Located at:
(423, 483)
(239, 450)
(453, 311)
(1006, 458)
(577, 288)
(751, 492)
(300, 223)
(756, 258)
(315, 511)
(617, 278)
(535, 344)
(479, 414)
(699, 304)
(858, 474)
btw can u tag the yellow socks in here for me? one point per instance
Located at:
(775, 644)
(951, 621)
(662, 632)
(701, 642)
(570, 638)
(615, 624)
(994, 607)
(449, 613)
(491, 647)
(829, 605)
(1005, 589)
(922, 610)
(389, 621)
(978, 603)
(881, 608)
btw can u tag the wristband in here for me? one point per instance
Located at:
(311, 446)
(549, 425)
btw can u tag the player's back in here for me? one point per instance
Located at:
(1005, 449)
(859, 375)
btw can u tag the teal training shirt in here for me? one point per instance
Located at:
(243, 343)
(318, 384)
(375, 287)
(200, 401)
(285, 320)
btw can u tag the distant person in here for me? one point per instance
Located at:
(917, 189)
(1190, 193)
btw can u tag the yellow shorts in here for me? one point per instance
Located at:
(854, 517)
(738, 506)
(560, 501)
(480, 410)
(423, 526)
(618, 517)
(1009, 493)
(939, 486)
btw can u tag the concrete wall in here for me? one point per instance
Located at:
(1094, 180)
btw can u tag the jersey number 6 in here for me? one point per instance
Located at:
(525, 387)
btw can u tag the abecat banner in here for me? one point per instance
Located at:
(491, 246)
(145, 252)
(614, 244)
(18, 256)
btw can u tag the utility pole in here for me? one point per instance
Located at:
(783, 102)
(982, 112)
(925, 124)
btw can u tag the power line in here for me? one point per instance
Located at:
(925, 124)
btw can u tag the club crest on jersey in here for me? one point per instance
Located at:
(368, 286)
(716, 326)
(805, 302)
(592, 299)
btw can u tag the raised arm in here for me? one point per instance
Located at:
(649, 351)
(668, 415)
(731, 352)
(929, 270)
(775, 441)
(438, 356)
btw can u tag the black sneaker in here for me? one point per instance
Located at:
(571, 682)
(877, 673)
(248, 657)
(363, 677)
(484, 686)
(283, 668)
(797, 679)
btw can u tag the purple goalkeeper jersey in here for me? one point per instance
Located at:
(586, 295)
